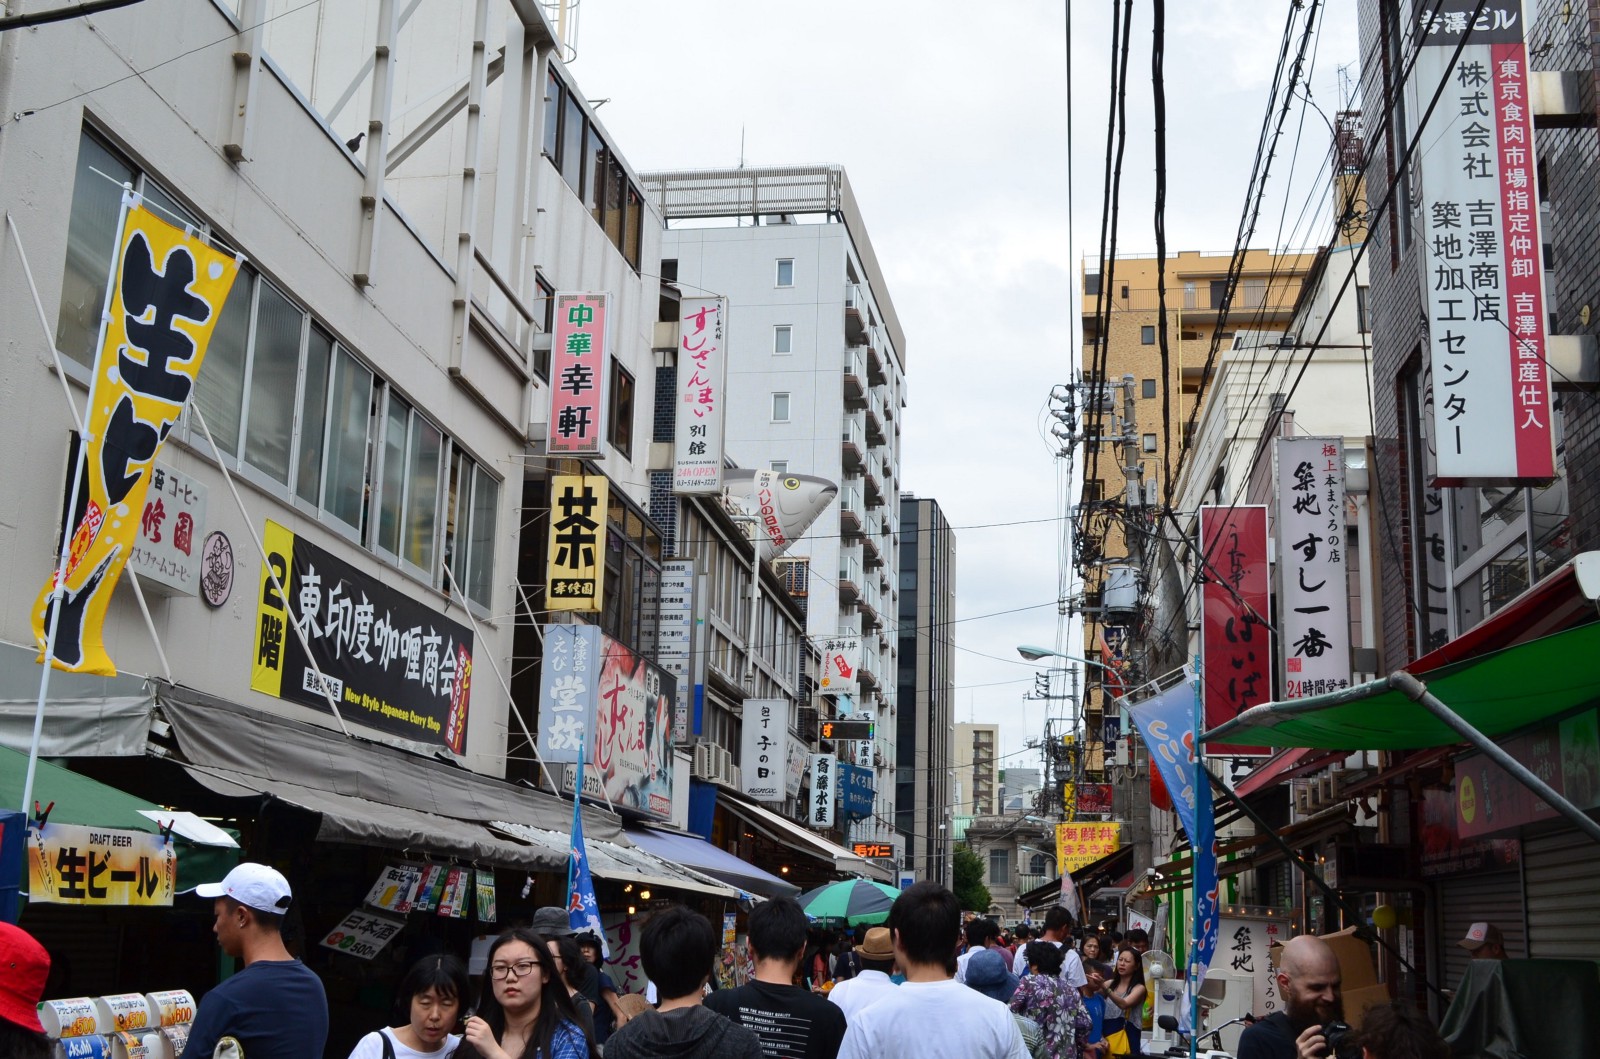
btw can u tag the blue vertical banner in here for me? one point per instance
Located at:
(583, 911)
(1167, 725)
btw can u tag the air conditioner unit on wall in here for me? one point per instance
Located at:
(725, 769)
(703, 766)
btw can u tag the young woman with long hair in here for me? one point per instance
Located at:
(431, 998)
(569, 961)
(524, 1011)
(1124, 993)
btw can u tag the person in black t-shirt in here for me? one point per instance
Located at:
(1308, 981)
(792, 1023)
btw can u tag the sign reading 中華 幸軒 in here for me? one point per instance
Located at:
(1314, 598)
(578, 360)
(764, 749)
(388, 660)
(73, 865)
(702, 375)
(577, 551)
(166, 294)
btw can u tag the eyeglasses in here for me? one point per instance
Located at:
(521, 969)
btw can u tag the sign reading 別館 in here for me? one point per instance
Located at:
(1078, 845)
(764, 749)
(1314, 593)
(578, 366)
(576, 557)
(73, 865)
(1482, 253)
(388, 660)
(702, 399)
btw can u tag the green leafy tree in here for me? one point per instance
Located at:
(969, 888)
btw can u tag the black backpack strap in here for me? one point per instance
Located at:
(388, 1045)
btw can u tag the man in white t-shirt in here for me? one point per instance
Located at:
(981, 934)
(872, 983)
(930, 1015)
(1057, 931)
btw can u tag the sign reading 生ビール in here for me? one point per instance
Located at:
(73, 865)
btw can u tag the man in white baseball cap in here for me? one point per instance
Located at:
(1484, 942)
(275, 1007)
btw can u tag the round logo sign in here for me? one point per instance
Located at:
(216, 568)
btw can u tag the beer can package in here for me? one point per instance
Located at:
(125, 1013)
(76, 1017)
(128, 1046)
(172, 1007)
(92, 1046)
(175, 1039)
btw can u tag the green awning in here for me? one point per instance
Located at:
(88, 802)
(1497, 693)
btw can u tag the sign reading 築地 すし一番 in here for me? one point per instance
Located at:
(1314, 593)
(389, 661)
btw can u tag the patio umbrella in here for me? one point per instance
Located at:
(856, 902)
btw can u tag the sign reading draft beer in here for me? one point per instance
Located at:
(73, 865)
(389, 661)
(576, 559)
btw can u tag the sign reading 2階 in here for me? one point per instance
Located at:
(390, 662)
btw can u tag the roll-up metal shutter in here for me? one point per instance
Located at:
(1495, 897)
(1563, 897)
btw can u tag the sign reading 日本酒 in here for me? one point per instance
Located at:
(764, 749)
(166, 295)
(578, 364)
(1080, 844)
(1235, 638)
(73, 865)
(576, 558)
(1481, 247)
(702, 399)
(389, 661)
(1314, 599)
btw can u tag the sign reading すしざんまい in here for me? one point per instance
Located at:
(389, 661)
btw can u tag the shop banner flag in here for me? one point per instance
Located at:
(1166, 723)
(702, 398)
(583, 911)
(165, 296)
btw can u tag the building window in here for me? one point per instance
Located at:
(1147, 388)
(620, 430)
(593, 171)
(1147, 335)
(1149, 443)
(1039, 866)
(783, 339)
(1361, 309)
(780, 408)
(779, 466)
(1255, 293)
(785, 272)
(1091, 284)
(999, 867)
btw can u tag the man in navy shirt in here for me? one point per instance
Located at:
(275, 1007)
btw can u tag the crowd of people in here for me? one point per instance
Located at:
(921, 986)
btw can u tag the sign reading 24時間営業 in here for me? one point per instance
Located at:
(390, 662)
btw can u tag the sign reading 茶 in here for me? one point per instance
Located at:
(576, 559)
(389, 661)
(73, 865)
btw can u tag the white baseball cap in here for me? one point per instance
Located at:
(262, 888)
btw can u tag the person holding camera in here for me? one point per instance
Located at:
(1310, 1026)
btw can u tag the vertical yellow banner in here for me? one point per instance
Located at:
(577, 554)
(272, 610)
(167, 293)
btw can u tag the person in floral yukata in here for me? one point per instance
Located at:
(1051, 1001)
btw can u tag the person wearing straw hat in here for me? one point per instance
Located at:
(24, 966)
(275, 1007)
(872, 982)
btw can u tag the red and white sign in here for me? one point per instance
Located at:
(702, 396)
(841, 658)
(578, 364)
(1236, 639)
(1314, 596)
(1482, 252)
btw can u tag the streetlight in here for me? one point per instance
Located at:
(1035, 654)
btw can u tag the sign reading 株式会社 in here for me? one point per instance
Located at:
(1479, 229)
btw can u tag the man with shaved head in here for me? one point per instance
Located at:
(1308, 981)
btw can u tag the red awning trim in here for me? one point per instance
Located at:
(1550, 606)
(1287, 764)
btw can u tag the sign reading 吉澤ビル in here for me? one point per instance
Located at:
(1481, 249)
(1079, 844)
(702, 396)
(841, 658)
(1314, 598)
(764, 749)
(389, 661)
(73, 865)
(824, 775)
(1236, 639)
(576, 559)
(166, 294)
(578, 365)
(600, 697)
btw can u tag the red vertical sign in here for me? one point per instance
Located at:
(1236, 641)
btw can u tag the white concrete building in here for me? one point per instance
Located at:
(816, 385)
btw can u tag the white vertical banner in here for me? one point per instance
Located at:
(1314, 608)
(764, 749)
(1483, 274)
(702, 395)
(675, 636)
(824, 776)
(841, 658)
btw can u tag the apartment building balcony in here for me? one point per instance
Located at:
(852, 509)
(855, 372)
(850, 576)
(1201, 300)
(885, 396)
(875, 419)
(857, 316)
(872, 489)
(871, 667)
(876, 375)
(870, 619)
(853, 447)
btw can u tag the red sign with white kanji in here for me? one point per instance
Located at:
(1236, 637)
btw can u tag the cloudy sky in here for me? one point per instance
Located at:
(952, 122)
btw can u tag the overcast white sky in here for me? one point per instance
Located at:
(951, 120)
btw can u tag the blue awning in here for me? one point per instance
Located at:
(702, 856)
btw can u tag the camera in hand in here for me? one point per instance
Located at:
(1341, 1042)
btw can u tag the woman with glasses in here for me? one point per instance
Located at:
(524, 1012)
